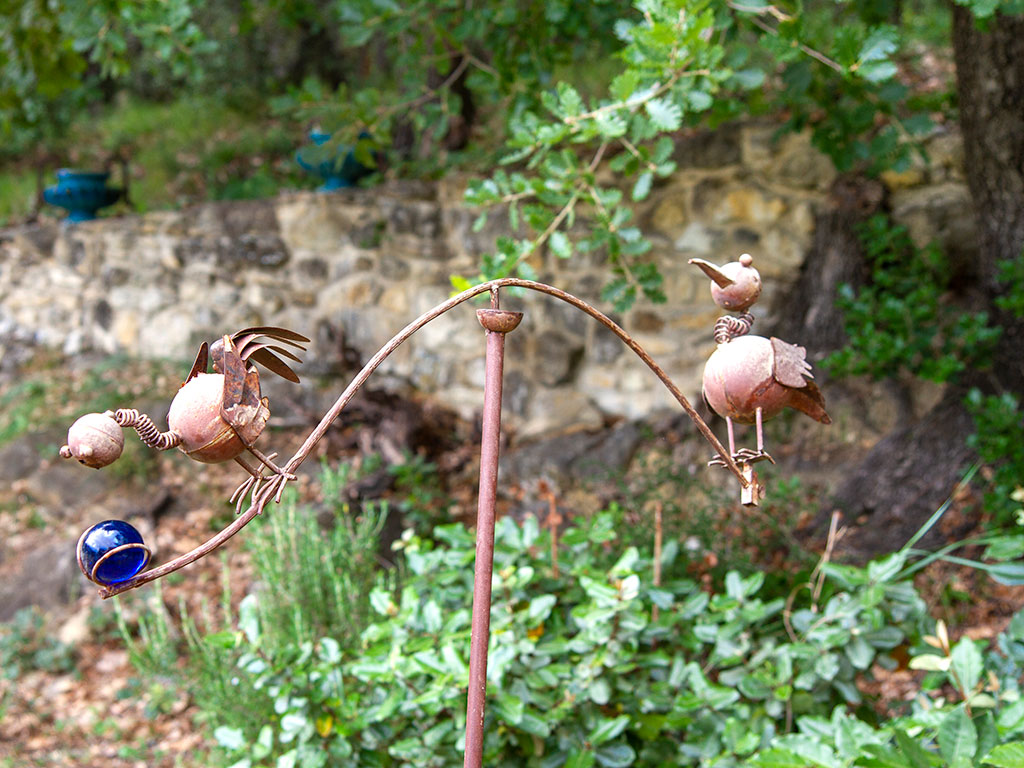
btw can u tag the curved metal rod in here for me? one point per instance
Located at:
(276, 484)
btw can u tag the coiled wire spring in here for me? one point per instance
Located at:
(149, 433)
(729, 327)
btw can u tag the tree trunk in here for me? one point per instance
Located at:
(990, 83)
(907, 475)
(810, 316)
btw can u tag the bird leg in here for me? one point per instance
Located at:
(273, 488)
(268, 462)
(252, 483)
(749, 456)
(744, 455)
(275, 485)
(717, 460)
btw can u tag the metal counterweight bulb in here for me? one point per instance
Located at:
(749, 379)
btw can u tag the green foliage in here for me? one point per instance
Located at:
(26, 644)
(17, 195)
(423, 502)
(999, 442)
(319, 580)
(197, 148)
(671, 72)
(986, 9)
(1011, 276)
(832, 70)
(314, 584)
(712, 528)
(839, 70)
(54, 56)
(448, 64)
(592, 663)
(900, 322)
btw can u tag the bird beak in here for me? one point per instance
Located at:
(713, 272)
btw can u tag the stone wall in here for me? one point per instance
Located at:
(350, 269)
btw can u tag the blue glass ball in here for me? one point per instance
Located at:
(97, 546)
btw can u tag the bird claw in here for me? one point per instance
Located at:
(274, 488)
(238, 497)
(742, 456)
(254, 488)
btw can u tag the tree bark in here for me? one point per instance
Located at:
(990, 84)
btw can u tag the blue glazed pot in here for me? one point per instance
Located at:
(82, 193)
(338, 169)
(112, 552)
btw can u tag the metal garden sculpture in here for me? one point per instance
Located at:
(221, 415)
(749, 379)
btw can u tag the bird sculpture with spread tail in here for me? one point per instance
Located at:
(214, 417)
(749, 379)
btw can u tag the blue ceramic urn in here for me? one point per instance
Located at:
(338, 167)
(82, 193)
(112, 552)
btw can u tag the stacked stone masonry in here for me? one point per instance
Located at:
(351, 268)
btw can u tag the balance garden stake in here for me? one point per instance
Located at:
(233, 414)
(496, 323)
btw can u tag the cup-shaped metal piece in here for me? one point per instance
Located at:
(499, 320)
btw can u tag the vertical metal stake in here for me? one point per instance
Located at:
(497, 323)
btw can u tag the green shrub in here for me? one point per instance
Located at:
(592, 664)
(900, 321)
(999, 441)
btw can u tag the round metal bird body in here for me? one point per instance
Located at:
(196, 415)
(752, 372)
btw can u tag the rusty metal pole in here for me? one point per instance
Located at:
(496, 323)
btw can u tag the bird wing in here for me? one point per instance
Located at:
(790, 366)
(240, 402)
(199, 366)
(791, 369)
(248, 346)
(274, 332)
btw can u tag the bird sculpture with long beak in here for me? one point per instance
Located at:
(214, 417)
(749, 379)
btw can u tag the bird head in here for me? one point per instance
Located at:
(734, 287)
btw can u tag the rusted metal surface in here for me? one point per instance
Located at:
(273, 486)
(734, 287)
(729, 327)
(749, 379)
(496, 323)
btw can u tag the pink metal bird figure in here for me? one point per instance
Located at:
(214, 417)
(749, 379)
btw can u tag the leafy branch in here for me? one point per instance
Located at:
(672, 70)
(676, 67)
